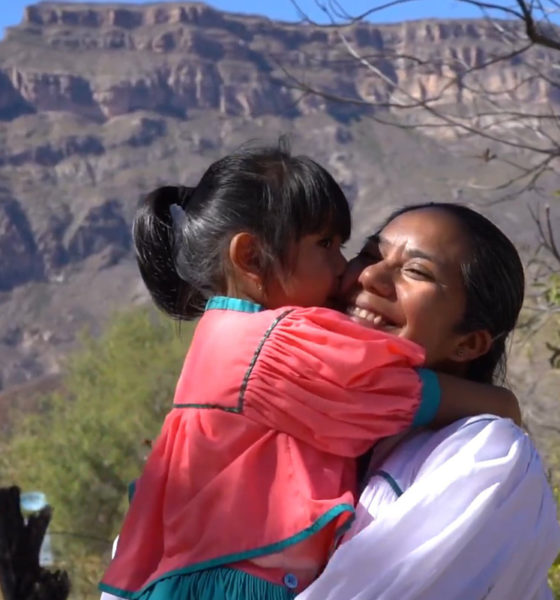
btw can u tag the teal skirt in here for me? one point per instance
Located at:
(216, 584)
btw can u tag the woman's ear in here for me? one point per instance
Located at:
(472, 345)
(244, 256)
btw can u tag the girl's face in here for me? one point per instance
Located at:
(408, 281)
(313, 278)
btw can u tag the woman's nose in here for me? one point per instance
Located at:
(377, 278)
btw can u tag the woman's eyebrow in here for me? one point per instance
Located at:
(411, 252)
(416, 253)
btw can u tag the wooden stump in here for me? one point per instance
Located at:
(21, 576)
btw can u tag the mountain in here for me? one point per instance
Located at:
(99, 103)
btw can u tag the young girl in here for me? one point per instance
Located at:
(251, 482)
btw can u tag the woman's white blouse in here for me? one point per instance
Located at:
(464, 513)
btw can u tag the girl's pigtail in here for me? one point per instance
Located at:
(156, 236)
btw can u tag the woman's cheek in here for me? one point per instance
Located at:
(419, 316)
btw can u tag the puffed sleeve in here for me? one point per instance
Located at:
(336, 385)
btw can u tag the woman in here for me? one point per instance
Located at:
(476, 519)
(464, 513)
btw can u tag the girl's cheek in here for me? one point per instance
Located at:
(351, 274)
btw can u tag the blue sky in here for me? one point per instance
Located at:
(11, 11)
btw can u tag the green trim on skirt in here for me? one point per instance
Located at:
(217, 584)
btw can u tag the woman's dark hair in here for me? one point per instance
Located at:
(265, 191)
(494, 285)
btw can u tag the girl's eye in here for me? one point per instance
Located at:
(326, 243)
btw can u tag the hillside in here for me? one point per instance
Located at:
(99, 103)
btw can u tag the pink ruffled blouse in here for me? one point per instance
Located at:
(254, 467)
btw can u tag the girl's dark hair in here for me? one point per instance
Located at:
(265, 191)
(494, 285)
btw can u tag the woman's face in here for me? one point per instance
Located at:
(408, 281)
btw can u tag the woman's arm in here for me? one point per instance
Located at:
(462, 398)
(476, 520)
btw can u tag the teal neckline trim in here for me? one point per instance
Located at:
(227, 303)
(390, 480)
(323, 520)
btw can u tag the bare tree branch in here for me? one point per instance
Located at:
(464, 94)
(488, 116)
(532, 28)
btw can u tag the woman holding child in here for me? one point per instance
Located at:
(462, 513)
(255, 248)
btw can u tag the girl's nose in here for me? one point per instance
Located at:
(376, 278)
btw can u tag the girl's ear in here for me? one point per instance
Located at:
(472, 345)
(244, 256)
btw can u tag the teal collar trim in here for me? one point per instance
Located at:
(390, 480)
(227, 303)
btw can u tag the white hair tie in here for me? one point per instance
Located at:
(178, 218)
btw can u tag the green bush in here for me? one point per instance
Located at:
(89, 440)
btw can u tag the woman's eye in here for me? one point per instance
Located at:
(418, 273)
(326, 243)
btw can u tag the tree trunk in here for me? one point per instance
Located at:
(21, 576)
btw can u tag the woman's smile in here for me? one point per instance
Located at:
(371, 318)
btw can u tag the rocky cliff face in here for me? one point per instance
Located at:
(173, 58)
(100, 103)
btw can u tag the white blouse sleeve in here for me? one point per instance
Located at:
(477, 520)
